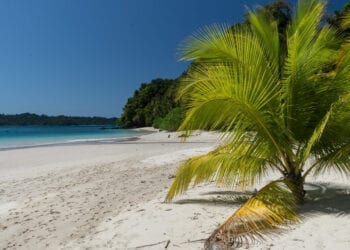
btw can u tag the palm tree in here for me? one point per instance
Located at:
(283, 107)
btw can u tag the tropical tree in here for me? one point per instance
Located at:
(282, 107)
(150, 101)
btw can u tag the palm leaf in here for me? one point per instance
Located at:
(299, 65)
(231, 165)
(306, 151)
(239, 117)
(267, 32)
(241, 89)
(270, 210)
(332, 150)
(346, 20)
(337, 159)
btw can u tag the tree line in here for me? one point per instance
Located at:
(153, 104)
(60, 120)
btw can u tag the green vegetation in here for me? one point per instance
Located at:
(150, 104)
(283, 98)
(33, 119)
(171, 121)
(337, 20)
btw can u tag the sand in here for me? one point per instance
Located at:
(110, 196)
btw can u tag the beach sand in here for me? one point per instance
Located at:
(110, 196)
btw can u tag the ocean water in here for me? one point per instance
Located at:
(28, 136)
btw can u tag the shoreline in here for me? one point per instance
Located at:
(75, 142)
(102, 196)
(59, 139)
(112, 140)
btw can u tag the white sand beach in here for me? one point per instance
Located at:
(110, 196)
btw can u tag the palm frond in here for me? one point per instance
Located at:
(336, 134)
(306, 20)
(335, 159)
(346, 20)
(209, 43)
(244, 90)
(270, 210)
(307, 149)
(299, 64)
(232, 114)
(219, 45)
(342, 72)
(332, 150)
(267, 32)
(235, 165)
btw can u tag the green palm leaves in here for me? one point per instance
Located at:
(279, 101)
(228, 165)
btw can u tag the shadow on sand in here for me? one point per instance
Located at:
(326, 198)
(224, 198)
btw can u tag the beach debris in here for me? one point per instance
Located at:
(167, 242)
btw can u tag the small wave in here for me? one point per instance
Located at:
(108, 139)
(68, 142)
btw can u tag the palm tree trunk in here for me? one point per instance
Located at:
(297, 188)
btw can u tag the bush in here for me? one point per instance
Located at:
(171, 121)
(151, 100)
(157, 122)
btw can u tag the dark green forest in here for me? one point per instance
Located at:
(34, 119)
(150, 104)
(153, 104)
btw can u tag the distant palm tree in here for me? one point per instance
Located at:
(280, 105)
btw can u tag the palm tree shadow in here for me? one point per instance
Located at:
(327, 199)
(221, 198)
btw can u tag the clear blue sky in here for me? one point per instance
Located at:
(86, 57)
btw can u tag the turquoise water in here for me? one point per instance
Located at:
(26, 136)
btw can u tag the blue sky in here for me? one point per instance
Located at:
(86, 57)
